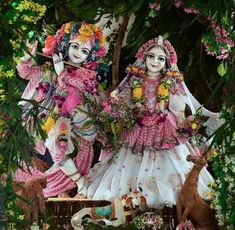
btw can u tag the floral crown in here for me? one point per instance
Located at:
(73, 31)
(159, 41)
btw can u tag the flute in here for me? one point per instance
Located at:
(65, 62)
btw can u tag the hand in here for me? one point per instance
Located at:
(82, 187)
(32, 48)
(58, 63)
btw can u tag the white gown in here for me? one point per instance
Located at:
(160, 173)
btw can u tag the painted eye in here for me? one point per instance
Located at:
(150, 56)
(161, 59)
(76, 47)
(85, 52)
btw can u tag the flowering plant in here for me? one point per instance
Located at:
(193, 123)
(218, 41)
(116, 111)
(148, 220)
(112, 116)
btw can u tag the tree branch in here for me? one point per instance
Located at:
(117, 51)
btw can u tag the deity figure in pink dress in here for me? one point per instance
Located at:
(61, 91)
(153, 152)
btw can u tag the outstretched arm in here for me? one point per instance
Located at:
(25, 68)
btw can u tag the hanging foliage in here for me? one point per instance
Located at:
(192, 26)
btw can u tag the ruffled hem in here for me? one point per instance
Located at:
(57, 182)
(158, 136)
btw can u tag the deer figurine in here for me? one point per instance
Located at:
(189, 202)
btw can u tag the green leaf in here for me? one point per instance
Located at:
(74, 3)
(31, 34)
(101, 86)
(120, 8)
(136, 7)
(222, 69)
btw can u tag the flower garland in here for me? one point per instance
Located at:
(136, 75)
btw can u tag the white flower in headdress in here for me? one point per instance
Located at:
(160, 40)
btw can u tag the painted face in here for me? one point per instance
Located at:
(78, 51)
(155, 60)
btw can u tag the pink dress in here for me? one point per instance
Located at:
(152, 154)
(68, 96)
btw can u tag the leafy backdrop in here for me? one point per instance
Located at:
(202, 34)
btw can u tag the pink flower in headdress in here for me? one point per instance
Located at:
(145, 47)
(102, 51)
(173, 59)
(171, 50)
(59, 36)
(139, 54)
(50, 44)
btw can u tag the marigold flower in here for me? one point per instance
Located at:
(50, 122)
(137, 92)
(102, 41)
(86, 30)
(67, 27)
(94, 27)
(82, 37)
(163, 91)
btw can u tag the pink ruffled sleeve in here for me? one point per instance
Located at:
(32, 73)
(27, 71)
